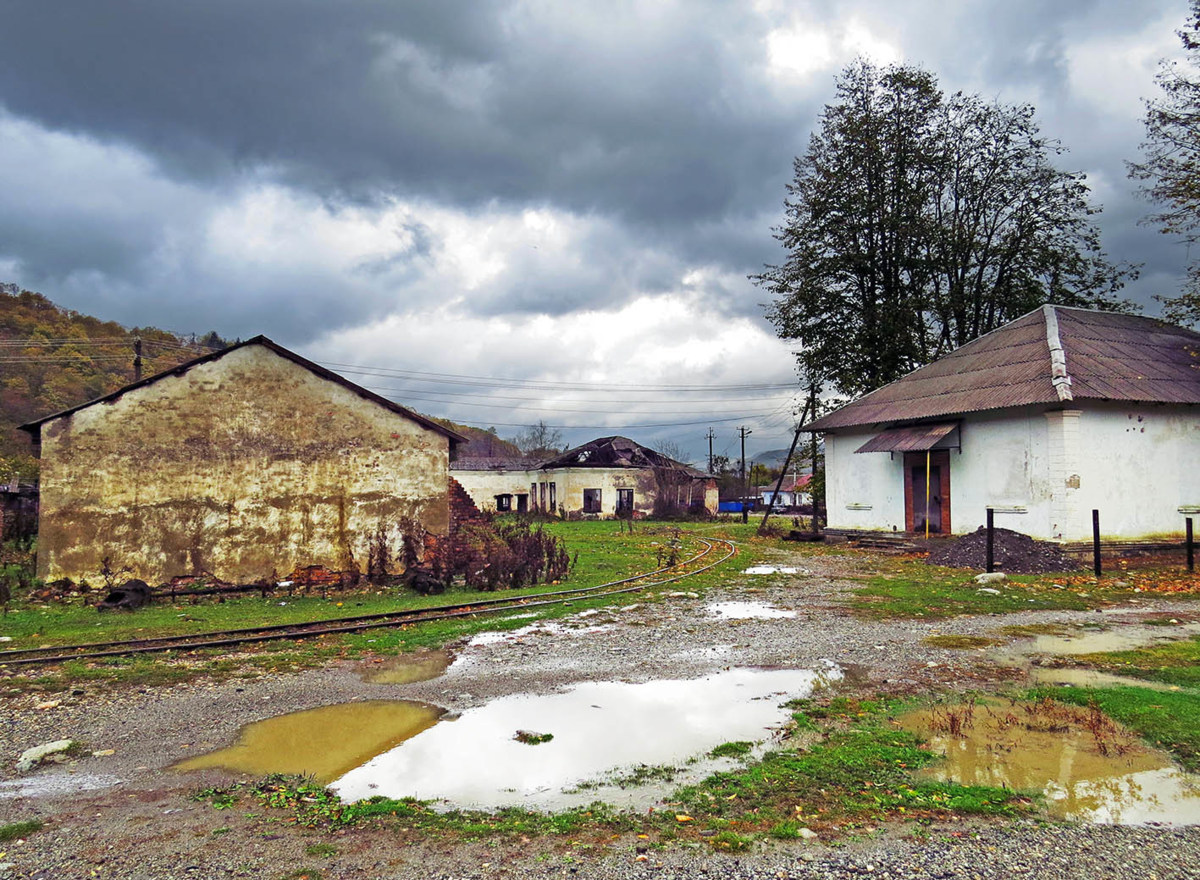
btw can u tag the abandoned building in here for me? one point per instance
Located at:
(607, 477)
(248, 463)
(1058, 413)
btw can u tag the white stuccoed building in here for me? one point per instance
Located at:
(1057, 413)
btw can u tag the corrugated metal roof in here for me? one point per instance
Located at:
(1109, 356)
(916, 438)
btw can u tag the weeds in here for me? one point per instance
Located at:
(18, 830)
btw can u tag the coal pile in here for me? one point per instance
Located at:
(1014, 553)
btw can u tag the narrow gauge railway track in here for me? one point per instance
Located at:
(310, 629)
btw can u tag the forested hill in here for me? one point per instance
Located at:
(53, 358)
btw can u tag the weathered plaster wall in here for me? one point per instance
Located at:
(484, 486)
(862, 491)
(243, 466)
(1138, 464)
(569, 483)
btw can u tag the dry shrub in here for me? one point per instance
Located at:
(505, 556)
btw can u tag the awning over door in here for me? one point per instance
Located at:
(915, 438)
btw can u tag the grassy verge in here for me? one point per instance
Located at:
(841, 766)
(1170, 721)
(605, 553)
(910, 588)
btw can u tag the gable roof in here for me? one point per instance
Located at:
(34, 427)
(617, 452)
(1050, 355)
(798, 484)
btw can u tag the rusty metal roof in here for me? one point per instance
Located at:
(34, 428)
(617, 452)
(916, 438)
(1109, 356)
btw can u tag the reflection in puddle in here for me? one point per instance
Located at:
(549, 628)
(1080, 677)
(56, 785)
(771, 569)
(408, 668)
(1079, 783)
(598, 727)
(325, 742)
(747, 611)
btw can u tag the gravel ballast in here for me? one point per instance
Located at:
(146, 827)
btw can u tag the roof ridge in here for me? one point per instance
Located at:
(1059, 377)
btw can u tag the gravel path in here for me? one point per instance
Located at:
(125, 815)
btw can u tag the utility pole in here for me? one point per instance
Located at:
(711, 436)
(137, 359)
(745, 488)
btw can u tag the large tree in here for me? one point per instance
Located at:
(916, 222)
(1170, 170)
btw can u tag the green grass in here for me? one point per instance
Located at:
(737, 749)
(909, 588)
(18, 830)
(1170, 721)
(1175, 663)
(961, 642)
(605, 553)
(321, 850)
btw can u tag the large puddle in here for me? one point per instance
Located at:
(1107, 777)
(325, 743)
(604, 734)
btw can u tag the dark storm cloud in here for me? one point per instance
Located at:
(662, 124)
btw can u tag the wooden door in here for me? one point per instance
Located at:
(915, 512)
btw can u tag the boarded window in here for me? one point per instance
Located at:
(533, 495)
(542, 495)
(504, 502)
(591, 500)
(553, 499)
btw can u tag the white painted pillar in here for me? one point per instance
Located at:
(1064, 468)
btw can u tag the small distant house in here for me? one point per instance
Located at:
(607, 477)
(248, 464)
(1058, 413)
(792, 493)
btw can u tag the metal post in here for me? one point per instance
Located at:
(991, 540)
(927, 454)
(745, 486)
(137, 359)
(1096, 542)
(1191, 549)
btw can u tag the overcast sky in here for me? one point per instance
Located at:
(565, 192)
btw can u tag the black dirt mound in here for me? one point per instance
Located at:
(1014, 553)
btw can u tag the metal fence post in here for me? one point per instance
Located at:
(1191, 548)
(1096, 542)
(991, 540)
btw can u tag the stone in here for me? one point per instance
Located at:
(30, 758)
(807, 834)
(991, 577)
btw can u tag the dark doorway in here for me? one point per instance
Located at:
(938, 512)
(522, 503)
(624, 502)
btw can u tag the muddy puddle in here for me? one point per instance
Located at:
(1088, 770)
(407, 668)
(602, 732)
(747, 611)
(325, 743)
(1122, 637)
